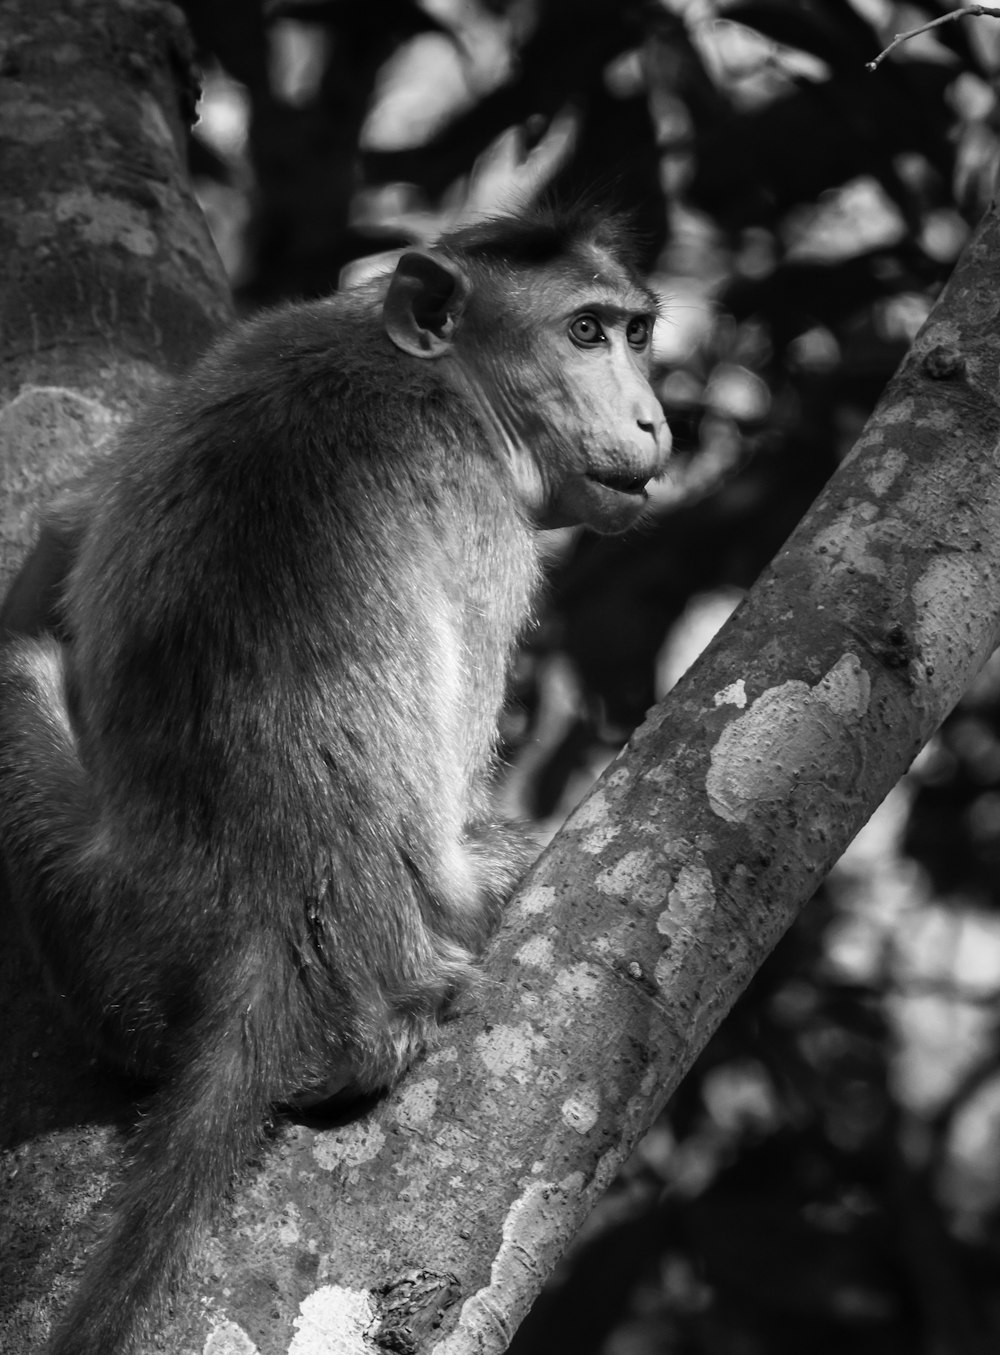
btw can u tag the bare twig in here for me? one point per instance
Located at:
(967, 11)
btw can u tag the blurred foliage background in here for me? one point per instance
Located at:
(829, 1175)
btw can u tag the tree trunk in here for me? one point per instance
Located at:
(110, 281)
(430, 1224)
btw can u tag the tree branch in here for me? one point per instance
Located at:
(966, 12)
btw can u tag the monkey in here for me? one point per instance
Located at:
(250, 686)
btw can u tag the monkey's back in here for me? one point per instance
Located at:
(289, 649)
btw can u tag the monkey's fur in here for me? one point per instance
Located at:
(244, 785)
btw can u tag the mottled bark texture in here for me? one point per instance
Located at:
(430, 1224)
(108, 280)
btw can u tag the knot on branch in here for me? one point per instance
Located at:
(413, 1306)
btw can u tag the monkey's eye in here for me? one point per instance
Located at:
(586, 332)
(638, 331)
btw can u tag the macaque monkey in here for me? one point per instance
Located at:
(250, 688)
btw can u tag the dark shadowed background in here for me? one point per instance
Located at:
(828, 1178)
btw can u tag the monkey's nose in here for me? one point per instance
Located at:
(659, 430)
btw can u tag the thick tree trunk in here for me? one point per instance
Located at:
(109, 281)
(109, 278)
(431, 1223)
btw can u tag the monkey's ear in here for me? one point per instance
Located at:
(424, 303)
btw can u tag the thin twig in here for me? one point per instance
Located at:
(967, 11)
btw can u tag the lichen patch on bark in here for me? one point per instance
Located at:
(227, 1338)
(102, 219)
(417, 1102)
(733, 695)
(42, 432)
(509, 1051)
(538, 953)
(693, 892)
(592, 820)
(952, 591)
(581, 1110)
(882, 477)
(785, 736)
(535, 900)
(575, 984)
(334, 1320)
(633, 877)
(349, 1146)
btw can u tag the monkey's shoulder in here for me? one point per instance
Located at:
(332, 351)
(301, 457)
(308, 402)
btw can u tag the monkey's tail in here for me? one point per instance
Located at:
(201, 1127)
(207, 1118)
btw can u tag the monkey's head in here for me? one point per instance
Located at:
(547, 331)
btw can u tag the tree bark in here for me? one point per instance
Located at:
(109, 281)
(109, 275)
(431, 1223)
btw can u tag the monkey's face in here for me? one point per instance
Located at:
(608, 435)
(556, 360)
(583, 432)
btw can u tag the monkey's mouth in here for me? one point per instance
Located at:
(622, 484)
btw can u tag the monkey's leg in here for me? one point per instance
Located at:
(500, 853)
